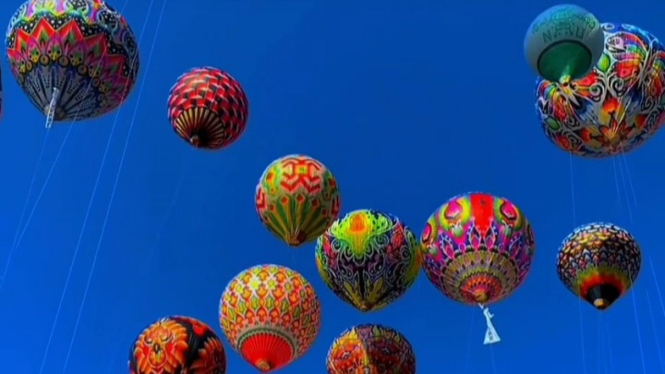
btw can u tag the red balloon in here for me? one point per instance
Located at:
(208, 108)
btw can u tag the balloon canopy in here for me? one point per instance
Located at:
(297, 199)
(271, 315)
(564, 43)
(599, 262)
(477, 248)
(614, 109)
(176, 345)
(371, 349)
(368, 259)
(208, 108)
(74, 59)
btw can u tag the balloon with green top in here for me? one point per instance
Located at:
(564, 43)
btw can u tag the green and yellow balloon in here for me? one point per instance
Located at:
(368, 259)
(297, 199)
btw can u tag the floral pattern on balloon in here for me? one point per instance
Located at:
(477, 248)
(617, 107)
(368, 259)
(83, 53)
(176, 345)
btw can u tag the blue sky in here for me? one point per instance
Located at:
(408, 103)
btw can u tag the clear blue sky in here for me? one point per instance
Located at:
(409, 103)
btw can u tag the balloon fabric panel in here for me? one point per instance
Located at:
(477, 248)
(368, 259)
(176, 345)
(83, 48)
(617, 107)
(271, 315)
(371, 349)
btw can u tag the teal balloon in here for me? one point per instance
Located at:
(563, 43)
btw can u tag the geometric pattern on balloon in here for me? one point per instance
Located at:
(297, 199)
(271, 315)
(599, 262)
(371, 349)
(84, 48)
(208, 108)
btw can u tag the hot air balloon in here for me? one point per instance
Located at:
(564, 43)
(368, 259)
(371, 349)
(74, 59)
(208, 108)
(297, 199)
(614, 109)
(477, 250)
(271, 315)
(176, 345)
(599, 263)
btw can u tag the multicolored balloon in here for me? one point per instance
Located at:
(563, 43)
(208, 108)
(599, 263)
(614, 109)
(74, 59)
(297, 199)
(176, 345)
(477, 248)
(271, 315)
(368, 259)
(371, 349)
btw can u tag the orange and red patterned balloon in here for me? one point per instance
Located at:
(271, 315)
(371, 349)
(297, 199)
(208, 108)
(176, 345)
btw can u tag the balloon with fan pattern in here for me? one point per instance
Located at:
(614, 109)
(297, 199)
(368, 259)
(176, 345)
(208, 108)
(78, 58)
(477, 248)
(271, 315)
(371, 349)
(599, 263)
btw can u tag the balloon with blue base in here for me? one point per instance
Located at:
(564, 43)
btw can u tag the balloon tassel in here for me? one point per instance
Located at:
(195, 140)
(263, 365)
(491, 336)
(50, 109)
